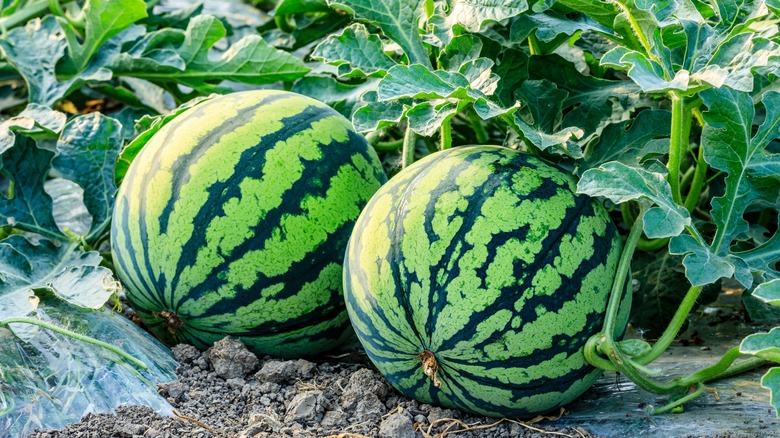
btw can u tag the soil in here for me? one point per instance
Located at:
(228, 392)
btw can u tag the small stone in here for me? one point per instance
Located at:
(365, 380)
(231, 359)
(152, 433)
(420, 419)
(129, 430)
(276, 371)
(269, 388)
(306, 407)
(305, 368)
(369, 408)
(236, 383)
(174, 390)
(397, 425)
(334, 419)
(437, 413)
(185, 353)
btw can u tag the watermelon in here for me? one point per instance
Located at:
(234, 218)
(474, 277)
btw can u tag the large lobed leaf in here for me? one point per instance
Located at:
(729, 146)
(398, 19)
(34, 51)
(176, 56)
(355, 52)
(86, 152)
(720, 54)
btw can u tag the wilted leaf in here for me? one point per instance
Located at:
(63, 270)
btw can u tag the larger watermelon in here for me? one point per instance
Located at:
(234, 218)
(474, 278)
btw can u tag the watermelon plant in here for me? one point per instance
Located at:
(233, 218)
(475, 277)
(667, 112)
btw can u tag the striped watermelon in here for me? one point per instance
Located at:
(234, 218)
(474, 277)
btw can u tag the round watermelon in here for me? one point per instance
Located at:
(474, 277)
(234, 218)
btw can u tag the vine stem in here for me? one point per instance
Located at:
(446, 134)
(479, 130)
(640, 34)
(673, 328)
(77, 336)
(677, 143)
(408, 148)
(692, 198)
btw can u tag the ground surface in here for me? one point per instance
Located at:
(228, 392)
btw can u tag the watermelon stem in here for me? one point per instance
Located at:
(430, 366)
(76, 336)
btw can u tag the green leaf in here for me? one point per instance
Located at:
(550, 25)
(33, 120)
(417, 81)
(540, 118)
(763, 258)
(721, 55)
(728, 146)
(286, 7)
(250, 60)
(512, 68)
(472, 14)
(620, 183)
(399, 20)
(630, 142)
(373, 114)
(355, 52)
(86, 154)
(771, 381)
(72, 275)
(340, 96)
(768, 292)
(703, 266)
(763, 345)
(29, 207)
(34, 51)
(103, 20)
(591, 101)
(460, 50)
(427, 117)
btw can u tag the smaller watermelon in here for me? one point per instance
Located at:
(234, 218)
(474, 278)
